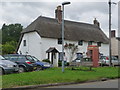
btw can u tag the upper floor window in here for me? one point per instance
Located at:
(90, 42)
(99, 44)
(59, 40)
(24, 42)
(80, 42)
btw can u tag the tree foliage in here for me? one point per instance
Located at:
(11, 32)
(9, 47)
(71, 49)
(0, 49)
(10, 37)
(0, 36)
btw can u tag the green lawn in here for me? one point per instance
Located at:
(55, 75)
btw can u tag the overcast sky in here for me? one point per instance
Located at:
(24, 11)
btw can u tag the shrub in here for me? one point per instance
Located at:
(65, 63)
(60, 63)
(46, 60)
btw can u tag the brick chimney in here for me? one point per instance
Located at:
(96, 22)
(113, 33)
(58, 14)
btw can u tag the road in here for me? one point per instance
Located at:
(99, 84)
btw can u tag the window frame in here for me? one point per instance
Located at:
(59, 40)
(99, 44)
(80, 42)
(90, 42)
(24, 43)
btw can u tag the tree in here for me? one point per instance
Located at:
(10, 35)
(0, 49)
(9, 47)
(11, 32)
(71, 49)
(0, 36)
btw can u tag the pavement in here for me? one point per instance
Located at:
(101, 84)
(54, 84)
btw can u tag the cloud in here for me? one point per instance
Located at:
(26, 12)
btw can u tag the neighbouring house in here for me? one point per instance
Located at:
(114, 44)
(42, 38)
(119, 48)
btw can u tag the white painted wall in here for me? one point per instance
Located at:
(49, 42)
(33, 44)
(38, 46)
(114, 46)
(119, 50)
(104, 49)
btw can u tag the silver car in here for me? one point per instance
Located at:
(7, 66)
(104, 60)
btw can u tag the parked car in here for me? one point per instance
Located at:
(7, 66)
(104, 60)
(25, 62)
(41, 65)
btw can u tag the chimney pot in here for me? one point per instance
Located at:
(96, 22)
(58, 14)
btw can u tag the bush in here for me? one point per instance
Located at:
(8, 49)
(65, 63)
(60, 63)
(46, 60)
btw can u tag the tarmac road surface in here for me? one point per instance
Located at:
(100, 84)
(113, 84)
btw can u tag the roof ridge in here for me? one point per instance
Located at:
(70, 21)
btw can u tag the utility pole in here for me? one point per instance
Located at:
(110, 56)
(64, 3)
(110, 32)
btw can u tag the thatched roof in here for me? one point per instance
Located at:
(75, 31)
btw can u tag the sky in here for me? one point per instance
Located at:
(26, 11)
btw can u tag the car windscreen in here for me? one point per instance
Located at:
(2, 58)
(22, 58)
(103, 57)
(13, 58)
(114, 58)
(35, 59)
(29, 58)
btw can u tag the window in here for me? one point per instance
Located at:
(99, 44)
(90, 42)
(59, 40)
(80, 42)
(24, 42)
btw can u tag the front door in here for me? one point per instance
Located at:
(53, 57)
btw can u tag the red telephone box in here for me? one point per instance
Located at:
(93, 53)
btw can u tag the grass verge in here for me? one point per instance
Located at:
(55, 75)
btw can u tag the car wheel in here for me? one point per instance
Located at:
(21, 69)
(2, 71)
(39, 68)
